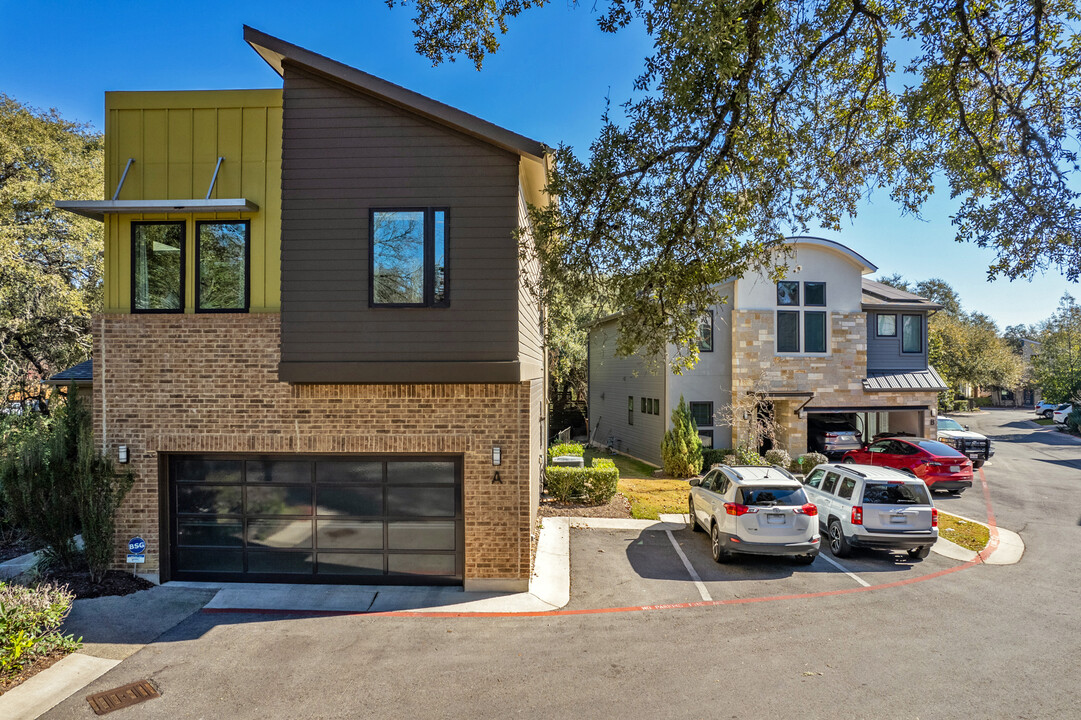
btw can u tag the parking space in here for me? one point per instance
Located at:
(629, 568)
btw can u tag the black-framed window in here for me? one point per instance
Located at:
(646, 404)
(157, 266)
(705, 332)
(706, 437)
(408, 257)
(911, 333)
(656, 406)
(222, 265)
(630, 409)
(788, 292)
(702, 413)
(814, 294)
(886, 325)
(787, 331)
(814, 332)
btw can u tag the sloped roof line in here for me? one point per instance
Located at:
(275, 51)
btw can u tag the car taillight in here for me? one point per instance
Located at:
(857, 515)
(934, 517)
(833, 435)
(808, 509)
(737, 509)
(933, 463)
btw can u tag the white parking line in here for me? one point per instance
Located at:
(687, 564)
(843, 569)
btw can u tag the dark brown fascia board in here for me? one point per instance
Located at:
(276, 51)
(414, 373)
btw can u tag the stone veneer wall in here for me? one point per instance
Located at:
(209, 383)
(836, 378)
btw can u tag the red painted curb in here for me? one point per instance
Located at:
(980, 558)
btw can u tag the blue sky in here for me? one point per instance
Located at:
(549, 81)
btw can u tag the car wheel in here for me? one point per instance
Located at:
(695, 527)
(1047, 414)
(849, 461)
(838, 543)
(805, 559)
(919, 553)
(719, 553)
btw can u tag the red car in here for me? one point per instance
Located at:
(937, 464)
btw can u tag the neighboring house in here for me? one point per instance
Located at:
(824, 342)
(326, 367)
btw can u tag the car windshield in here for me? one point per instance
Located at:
(769, 496)
(1063, 406)
(894, 494)
(949, 424)
(936, 448)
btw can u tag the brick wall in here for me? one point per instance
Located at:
(836, 379)
(208, 383)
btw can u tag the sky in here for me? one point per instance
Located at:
(549, 81)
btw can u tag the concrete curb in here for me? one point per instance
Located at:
(17, 566)
(52, 686)
(551, 581)
(1009, 551)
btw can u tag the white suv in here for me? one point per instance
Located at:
(875, 507)
(754, 510)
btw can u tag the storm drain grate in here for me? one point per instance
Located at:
(121, 697)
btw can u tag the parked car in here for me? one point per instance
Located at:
(977, 448)
(873, 507)
(1045, 409)
(937, 464)
(832, 436)
(756, 511)
(1061, 413)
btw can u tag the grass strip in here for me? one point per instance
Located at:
(653, 496)
(965, 533)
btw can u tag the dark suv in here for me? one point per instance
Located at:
(832, 436)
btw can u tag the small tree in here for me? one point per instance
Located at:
(681, 447)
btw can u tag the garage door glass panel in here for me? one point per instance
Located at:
(279, 471)
(350, 564)
(280, 533)
(279, 562)
(210, 532)
(350, 500)
(422, 502)
(347, 471)
(420, 472)
(216, 560)
(209, 499)
(350, 534)
(207, 470)
(420, 535)
(271, 500)
(421, 564)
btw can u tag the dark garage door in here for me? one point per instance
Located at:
(393, 520)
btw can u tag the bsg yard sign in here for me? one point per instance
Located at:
(136, 551)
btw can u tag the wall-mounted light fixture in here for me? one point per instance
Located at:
(122, 454)
(496, 455)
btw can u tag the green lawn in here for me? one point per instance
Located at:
(962, 532)
(649, 496)
(1044, 421)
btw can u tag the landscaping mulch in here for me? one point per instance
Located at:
(617, 507)
(116, 582)
(42, 663)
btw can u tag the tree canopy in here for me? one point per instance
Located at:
(50, 260)
(753, 119)
(1056, 368)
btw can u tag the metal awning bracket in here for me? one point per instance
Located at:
(799, 410)
(123, 177)
(214, 179)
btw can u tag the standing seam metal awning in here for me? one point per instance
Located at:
(923, 380)
(98, 209)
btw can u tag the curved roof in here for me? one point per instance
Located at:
(866, 265)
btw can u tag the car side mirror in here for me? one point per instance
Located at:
(694, 482)
(965, 426)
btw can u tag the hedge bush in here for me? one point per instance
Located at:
(573, 449)
(807, 462)
(30, 620)
(711, 457)
(778, 457)
(593, 485)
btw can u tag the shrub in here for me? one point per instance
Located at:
(681, 448)
(1073, 420)
(747, 456)
(981, 402)
(594, 485)
(565, 449)
(30, 620)
(809, 461)
(712, 456)
(778, 457)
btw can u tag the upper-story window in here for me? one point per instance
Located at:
(813, 323)
(911, 333)
(157, 272)
(408, 257)
(705, 333)
(221, 262)
(886, 325)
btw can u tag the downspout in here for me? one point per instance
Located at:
(104, 433)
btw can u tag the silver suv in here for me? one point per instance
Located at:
(754, 510)
(874, 507)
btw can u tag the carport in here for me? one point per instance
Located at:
(873, 420)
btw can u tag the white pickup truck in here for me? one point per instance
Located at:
(976, 447)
